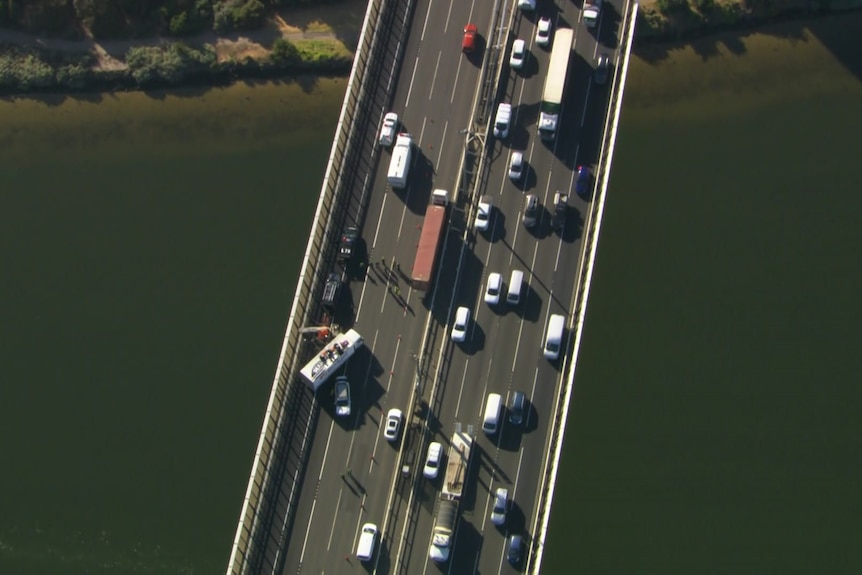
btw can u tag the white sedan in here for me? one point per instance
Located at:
(432, 460)
(393, 424)
(388, 129)
(493, 289)
(543, 32)
(459, 326)
(519, 54)
(483, 213)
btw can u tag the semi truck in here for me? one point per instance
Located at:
(555, 84)
(457, 467)
(334, 355)
(433, 228)
(592, 11)
(399, 165)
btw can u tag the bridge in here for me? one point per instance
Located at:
(318, 477)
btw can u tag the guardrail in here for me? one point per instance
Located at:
(587, 262)
(291, 403)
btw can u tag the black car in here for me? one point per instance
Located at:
(517, 407)
(348, 241)
(561, 206)
(603, 65)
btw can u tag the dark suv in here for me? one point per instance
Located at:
(348, 242)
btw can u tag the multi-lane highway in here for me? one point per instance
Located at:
(353, 474)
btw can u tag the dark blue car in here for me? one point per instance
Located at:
(582, 184)
(516, 548)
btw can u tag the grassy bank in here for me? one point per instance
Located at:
(666, 20)
(32, 69)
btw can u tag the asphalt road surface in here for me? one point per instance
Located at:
(354, 475)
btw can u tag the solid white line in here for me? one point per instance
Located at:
(442, 142)
(434, 77)
(586, 99)
(412, 78)
(461, 389)
(307, 531)
(335, 519)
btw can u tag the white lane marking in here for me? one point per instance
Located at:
(335, 519)
(442, 143)
(412, 78)
(307, 531)
(586, 99)
(434, 77)
(373, 245)
(461, 389)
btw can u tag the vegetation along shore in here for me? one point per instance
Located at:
(86, 45)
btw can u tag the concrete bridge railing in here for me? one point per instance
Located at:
(587, 262)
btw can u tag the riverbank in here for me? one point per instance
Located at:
(318, 40)
(296, 41)
(673, 20)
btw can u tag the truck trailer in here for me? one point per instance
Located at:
(457, 467)
(555, 84)
(433, 230)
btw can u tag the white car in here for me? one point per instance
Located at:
(543, 32)
(432, 460)
(393, 424)
(483, 213)
(459, 327)
(502, 120)
(516, 166)
(493, 289)
(388, 129)
(342, 397)
(519, 54)
(527, 5)
(501, 502)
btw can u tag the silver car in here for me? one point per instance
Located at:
(516, 166)
(501, 503)
(342, 397)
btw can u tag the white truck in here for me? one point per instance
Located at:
(555, 84)
(399, 165)
(457, 467)
(592, 11)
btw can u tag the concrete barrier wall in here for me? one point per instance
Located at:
(290, 402)
(586, 265)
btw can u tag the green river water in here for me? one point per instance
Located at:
(150, 244)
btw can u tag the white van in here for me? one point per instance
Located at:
(367, 541)
(491, 419)
(516, 284)
(554, 337)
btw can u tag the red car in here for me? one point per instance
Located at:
(469, 42)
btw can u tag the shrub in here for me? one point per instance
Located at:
(704, 6)
(171, 65)
(231, 15)
(74, 77)
(673, 6)
(179, 25)
(284, 51)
